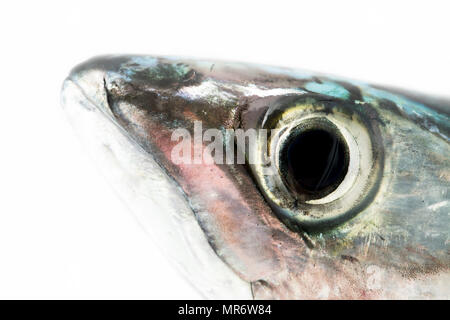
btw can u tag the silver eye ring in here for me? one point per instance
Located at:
(326, 159)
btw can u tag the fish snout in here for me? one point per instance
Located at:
(86, 83)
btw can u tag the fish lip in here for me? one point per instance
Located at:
(80, 81)
(89, 78)
(88, 85)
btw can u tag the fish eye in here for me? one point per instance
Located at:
(324, 160)
(314, 160)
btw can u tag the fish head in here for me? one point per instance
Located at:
(269, 182)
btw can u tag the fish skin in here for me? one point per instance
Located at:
(396, 247)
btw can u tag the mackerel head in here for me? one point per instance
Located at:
(271, 183)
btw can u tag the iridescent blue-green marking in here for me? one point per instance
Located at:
(328, 88)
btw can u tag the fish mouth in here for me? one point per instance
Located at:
(152, 195)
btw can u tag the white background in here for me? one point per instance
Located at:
(63, 232)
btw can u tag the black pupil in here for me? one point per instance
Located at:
(317, 159)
